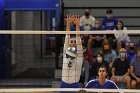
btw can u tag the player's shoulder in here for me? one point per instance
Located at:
(93, 81)
(110, 81)
(113, 84)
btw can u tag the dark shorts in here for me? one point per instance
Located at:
(132, 78)
(66, 85)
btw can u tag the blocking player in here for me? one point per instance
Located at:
(72, 57)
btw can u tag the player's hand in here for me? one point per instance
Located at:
(76, 19)
(69, 19)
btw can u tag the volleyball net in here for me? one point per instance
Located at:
(33, 58)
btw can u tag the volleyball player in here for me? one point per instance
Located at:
(72, 57)
(102, 82)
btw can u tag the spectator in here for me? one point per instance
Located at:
(123, 38)
(102, 82)
(87, 22)
(99, 62)
(135, 70)
(98, 38)
(109, 54)
(131, 52)
(88, 56)
(109, 23)
(120, 69)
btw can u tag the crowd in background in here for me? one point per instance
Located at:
(120, 56)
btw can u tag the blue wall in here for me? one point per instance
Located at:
(27, 5)
(1, 14)
(31, 4)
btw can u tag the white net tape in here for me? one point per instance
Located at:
(68, 32)
(46, 90)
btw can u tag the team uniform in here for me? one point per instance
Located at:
(107, 85)
(71, 70)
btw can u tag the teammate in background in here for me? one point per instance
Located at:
(102, 82)
(73, 56)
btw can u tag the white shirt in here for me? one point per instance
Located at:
(123, 37)
(72, 74)
(87, 23)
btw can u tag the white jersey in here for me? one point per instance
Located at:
(87, 23)
(72, 74)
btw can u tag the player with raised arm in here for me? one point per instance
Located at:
(72, 56)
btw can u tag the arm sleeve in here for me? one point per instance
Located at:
(126, 37)
(79, 50)
(66, 44)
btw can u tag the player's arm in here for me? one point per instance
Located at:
(67, 37)
(78, 38)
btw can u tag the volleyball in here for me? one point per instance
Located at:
(71, 52)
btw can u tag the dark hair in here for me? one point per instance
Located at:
(101, 54)
(109, 11)
(110, 48)
(102, 66)
(83, 44)
(121, 23)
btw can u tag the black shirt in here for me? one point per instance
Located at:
(95, 67)
(121, 67)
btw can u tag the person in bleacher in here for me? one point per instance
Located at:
(131, 52)
(98, 62)
(121, 38)
(109, 23)
(109, 54)
(87, 22)
(135, 70)
(96, 39)
(121, 69)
